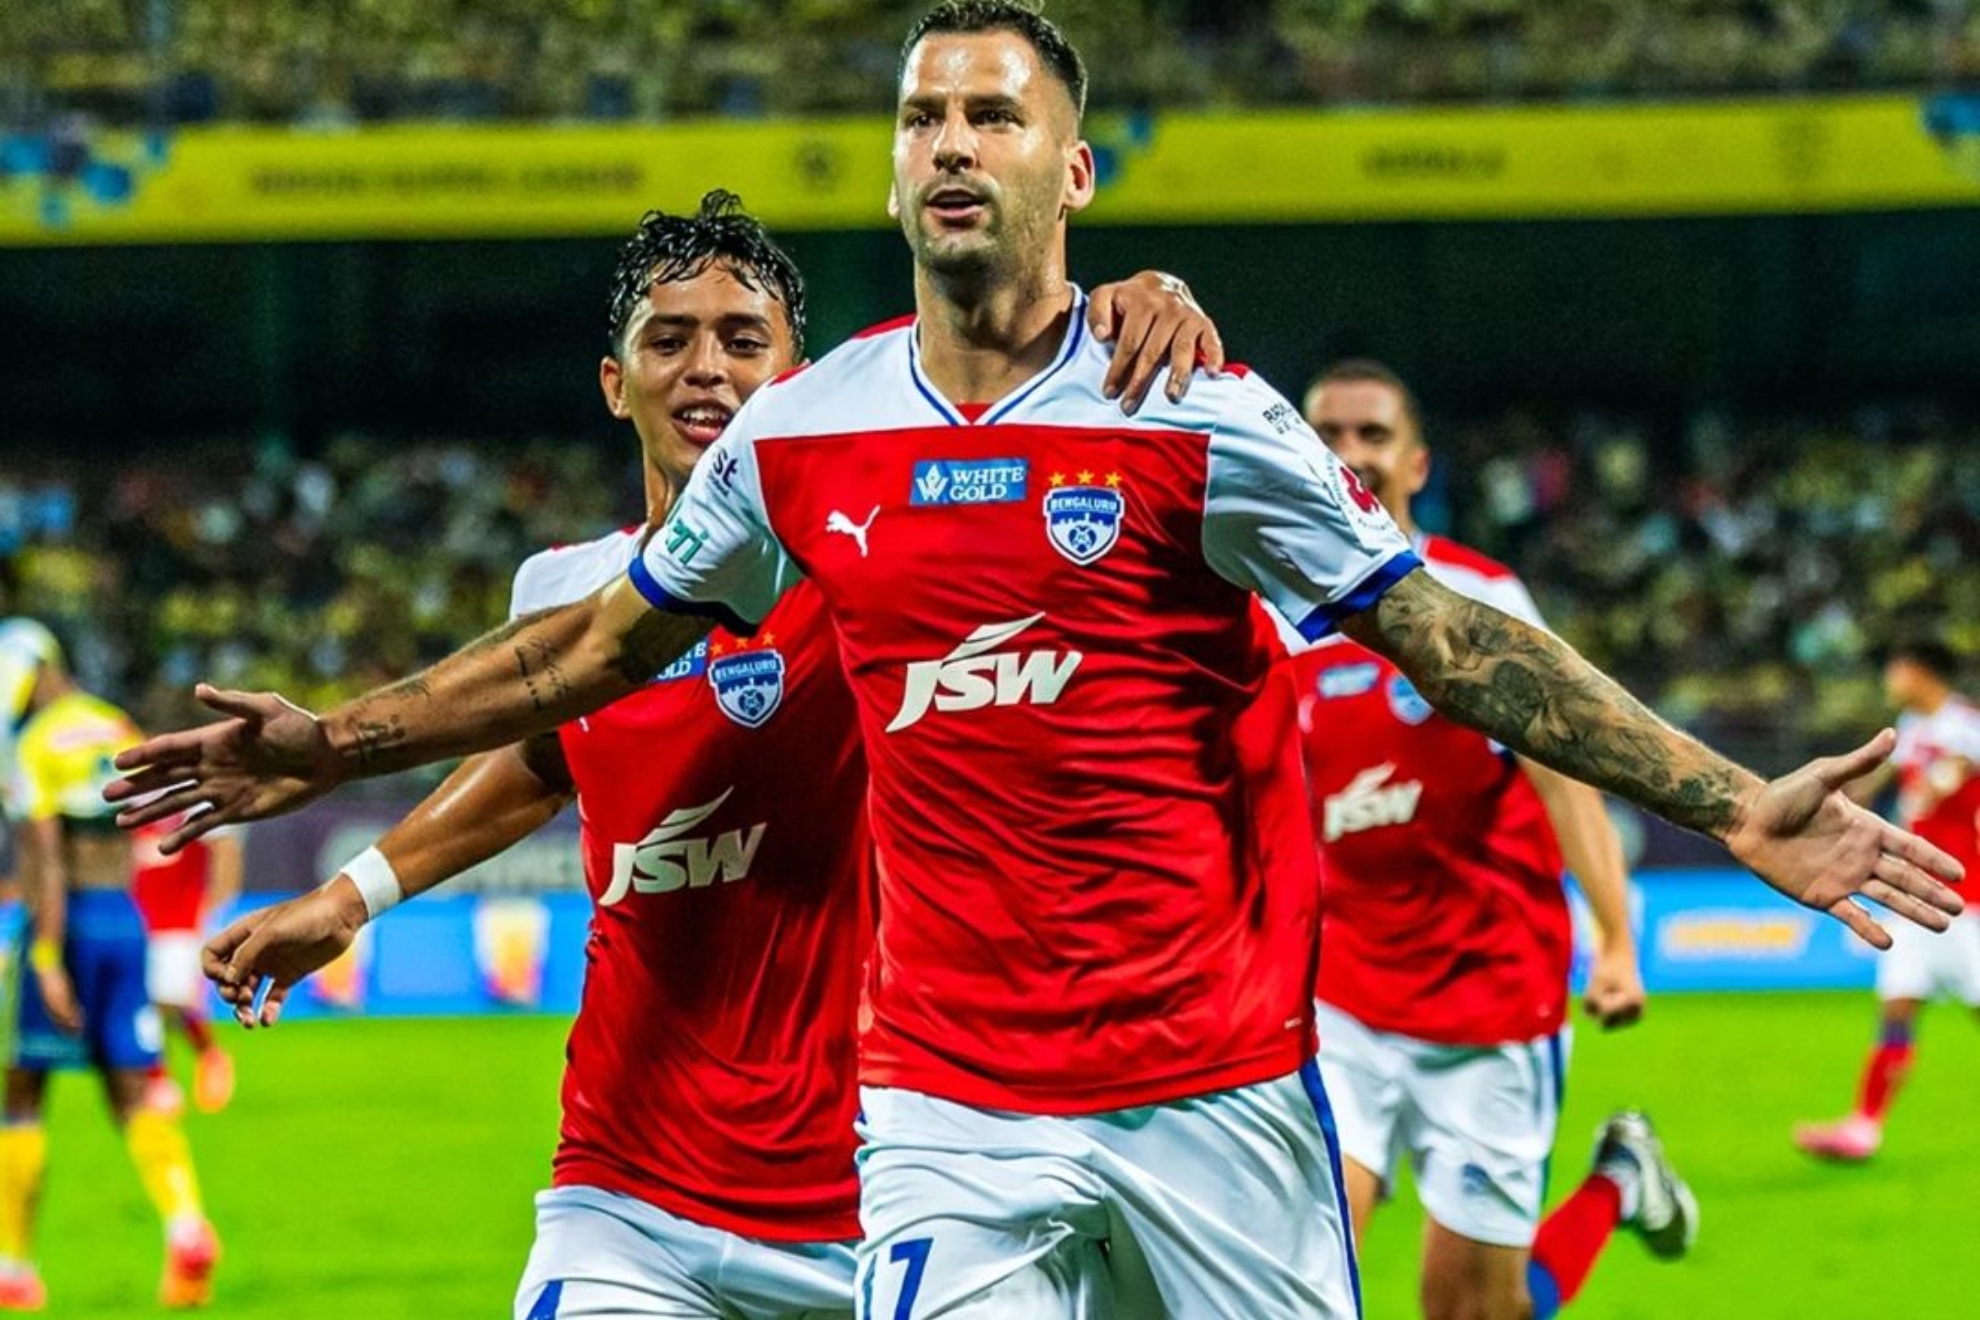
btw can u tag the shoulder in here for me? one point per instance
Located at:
(1963, 717)
(794, 402)
(1477, 575)
(567, 573)
(32, 741)
(72, 722)
(1235, 400)
(111, 721)
(1443, 551)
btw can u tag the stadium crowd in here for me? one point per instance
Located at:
(314, 575)
(1740, 574)
(269, 61)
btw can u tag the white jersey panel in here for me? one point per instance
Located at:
(568, 573)
(1951, 730)
(1504, 592)
(716, 549)
(1284, 518)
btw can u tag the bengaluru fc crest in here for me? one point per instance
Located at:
(1406, 703)
(1083, 521)
(749, 684)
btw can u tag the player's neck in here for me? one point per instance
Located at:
(1406, 524)
(49, 688)
(660, 492)
(1932, 700)
(980, 340)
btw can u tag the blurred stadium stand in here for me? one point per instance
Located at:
(1738, 572)
(273, 61)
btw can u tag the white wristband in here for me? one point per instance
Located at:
(376, 881)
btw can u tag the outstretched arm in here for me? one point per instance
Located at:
(270, 757)
(45, 889)
(1594, 853)
(489, 803)
(1532, 692)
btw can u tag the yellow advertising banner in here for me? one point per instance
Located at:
(444, 181)
(1708, 158)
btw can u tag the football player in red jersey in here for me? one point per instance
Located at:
(705, 1162)
(1087, 1047)
(1446, 936)
(1937, 773)
(176, 896)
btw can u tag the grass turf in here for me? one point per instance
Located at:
(384, 1169)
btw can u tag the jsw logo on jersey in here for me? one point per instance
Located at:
(666, 860)
(1370, 802)
(975, 675)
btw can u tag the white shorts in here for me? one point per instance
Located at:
(1476, 1124)
(1212, 1208)
(599, 1254)
(171, 968)
(1923, 965)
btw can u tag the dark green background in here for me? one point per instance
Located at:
(114, 346)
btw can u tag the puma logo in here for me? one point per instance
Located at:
(838, 522)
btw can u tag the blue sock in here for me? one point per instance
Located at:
(1546, 1293)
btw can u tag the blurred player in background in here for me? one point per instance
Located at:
(177, 895)
(1937, 770)
(705, 1166)
(1087, 1049)
(1446, 937)
(82, 996)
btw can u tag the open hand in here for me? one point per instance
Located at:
(1803, 835)
(269, 756)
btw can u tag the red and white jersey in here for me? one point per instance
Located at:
(725, 846)
(170, 892)
(1443, 916)
(1938, 777)
(1046, 617)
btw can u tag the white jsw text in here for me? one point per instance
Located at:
(664, 860)
(972, 676)
(1366, 803)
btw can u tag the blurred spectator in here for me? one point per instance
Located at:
(273, 60)
(317, 576)
(1737, 572)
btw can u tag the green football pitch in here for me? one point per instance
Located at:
(384, 1170)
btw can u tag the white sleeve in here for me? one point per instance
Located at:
(715, 554)
(1283, 518)
(1512, 597)
(1507, 595)
(1962, 735)
(521, 589)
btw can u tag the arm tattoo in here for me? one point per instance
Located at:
(1532, 692)
(375, 737)
(562, 660)
(536, 662)
(656, 641)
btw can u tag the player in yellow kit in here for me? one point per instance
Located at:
(82, 991)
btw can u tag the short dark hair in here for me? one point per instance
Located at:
(668, 247)
(1054, 51)
(1928, 653)
(1367, 371)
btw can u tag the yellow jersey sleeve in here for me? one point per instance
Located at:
(65, 758)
